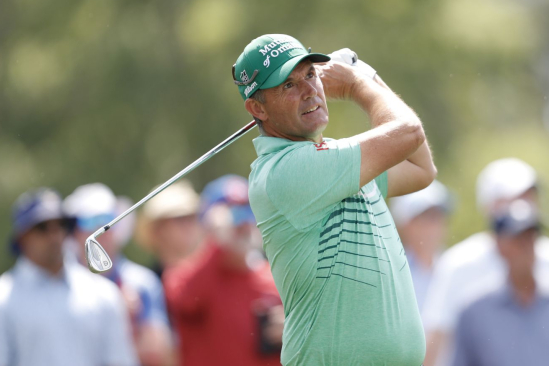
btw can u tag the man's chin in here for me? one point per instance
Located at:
(317, 126)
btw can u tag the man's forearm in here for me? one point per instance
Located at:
(381, 103)
(417, 171)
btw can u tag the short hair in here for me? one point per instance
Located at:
(259, 96)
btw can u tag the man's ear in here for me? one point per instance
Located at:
(256, 109)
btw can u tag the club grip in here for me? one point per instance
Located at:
(349, 57)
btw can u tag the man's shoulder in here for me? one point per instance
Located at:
(138, 275)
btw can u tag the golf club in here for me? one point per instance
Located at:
(98, 259)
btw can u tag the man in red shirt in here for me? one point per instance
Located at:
(223, 300)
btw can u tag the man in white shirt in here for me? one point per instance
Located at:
(473, 267)
(52, 311)
(422, 222)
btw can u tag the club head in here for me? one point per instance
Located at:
(97, 257)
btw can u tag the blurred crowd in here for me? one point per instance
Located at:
(210, 298)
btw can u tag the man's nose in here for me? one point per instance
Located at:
(308, 89)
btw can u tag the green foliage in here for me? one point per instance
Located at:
(129, 92)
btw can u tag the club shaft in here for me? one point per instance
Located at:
(179, 175)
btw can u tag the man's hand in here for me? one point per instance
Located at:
(275, 325)
(339, 79)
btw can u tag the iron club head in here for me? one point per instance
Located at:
(97, 257)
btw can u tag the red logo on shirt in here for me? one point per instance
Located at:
(322, 146)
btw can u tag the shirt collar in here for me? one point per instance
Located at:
(31, 272)
(266, 145)
(508, 296)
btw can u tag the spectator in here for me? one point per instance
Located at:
(421, 219)
(169, 225)
(510, 326)
(471, 268)
(54, 311)
(94, 205)
(224, 302)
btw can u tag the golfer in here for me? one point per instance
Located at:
(335, 254)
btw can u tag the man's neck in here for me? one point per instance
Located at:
(52, 268)
(235, 261)
(524, 288)
(266, 131)
(423, 257)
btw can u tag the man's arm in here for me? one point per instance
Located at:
(188, 286)
(414, 173)
(396, 143)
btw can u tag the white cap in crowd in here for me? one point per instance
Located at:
(90, 200)
(179, 199)
(405, 208)
(503, 179)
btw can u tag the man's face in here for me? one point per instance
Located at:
(518, 250)
(427, 229)
(176, 237)
(43, 244)
(238, 239)
(297, 108)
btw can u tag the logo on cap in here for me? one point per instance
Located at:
(244, 76)
(250, 88)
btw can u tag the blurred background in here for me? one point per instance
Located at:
(130, 92)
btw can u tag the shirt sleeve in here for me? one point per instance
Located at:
(307, 182)
(382, 183)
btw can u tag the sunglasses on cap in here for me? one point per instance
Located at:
(93, 223)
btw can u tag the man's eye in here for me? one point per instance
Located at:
(311, 75)
(288, 85)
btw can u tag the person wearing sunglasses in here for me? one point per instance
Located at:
(222, 299)
(94, 205)
(52, 310)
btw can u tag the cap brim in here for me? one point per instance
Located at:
(281, 74)
(37, 218)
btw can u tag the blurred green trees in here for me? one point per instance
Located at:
(130, 92)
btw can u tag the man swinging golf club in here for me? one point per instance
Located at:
(335, 254)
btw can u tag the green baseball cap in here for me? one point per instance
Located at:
(267, 62)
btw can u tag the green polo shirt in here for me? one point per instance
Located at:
(335, 255)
